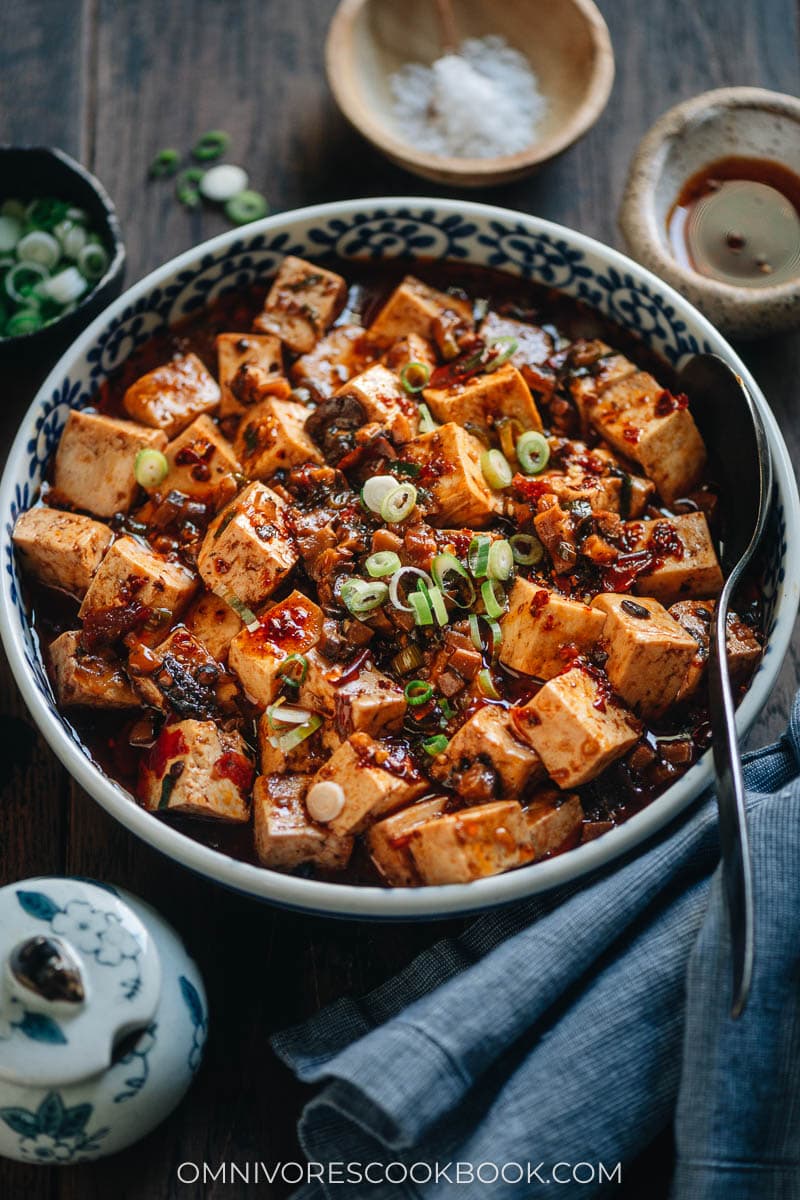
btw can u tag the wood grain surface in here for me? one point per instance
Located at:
(112, 81)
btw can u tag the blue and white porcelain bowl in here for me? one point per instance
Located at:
(380, 229)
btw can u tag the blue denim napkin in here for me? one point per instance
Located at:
(572, 1028)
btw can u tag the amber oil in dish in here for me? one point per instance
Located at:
(738, 220)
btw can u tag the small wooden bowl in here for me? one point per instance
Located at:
(567, 44)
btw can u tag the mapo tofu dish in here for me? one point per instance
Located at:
(381, 576)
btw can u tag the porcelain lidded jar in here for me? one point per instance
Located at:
(103, 1020)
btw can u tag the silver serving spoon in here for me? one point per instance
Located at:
(728, 418)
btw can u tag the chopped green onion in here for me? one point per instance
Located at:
(414, 376)
(526, 548)
(66, 286)
(447, 709)
(406, 468)
(533, 452)
(77, 214)
(376, 489)
(24, 320)
(399, 503)
(244, 613)
(508, 347)
(223, 182)
(293, 670)
(486, 684)
(417, 692)
(423, 613)
(462, 589)
(494, 629)
(394, 586)
(384, 562)
(478, 555)
(211, 145)
(494, 603)
(281, 713)
(21, 280)
(93, 261)
(164, 164)
(362, 596)
(436, 744)
(150, 467)
(438, 605)
(294, 737)
(496, 468)
(246, 207)
(46, 212)
(407, 659)
(501, 560)
(13, 208)
(186, 187)
(510, 428)
(426, 421)
(75, 239)
(10, 233)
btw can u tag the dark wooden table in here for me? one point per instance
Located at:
(111, 81)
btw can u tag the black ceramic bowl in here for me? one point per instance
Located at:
(33, 171)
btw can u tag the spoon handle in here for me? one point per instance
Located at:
(736, 867)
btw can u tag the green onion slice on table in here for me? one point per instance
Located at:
(165, 163)
(245, 207)
(211, 145)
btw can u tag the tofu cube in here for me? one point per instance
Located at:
(372, 703)
(370, 790)
(411, 348)
(197, 768)
(485, 399)
(250, 368)
(214, 623)
(337, 357)
(555, 823)
(575, 728)
(414, 307)
(388, 841)
(543, 631)
(648, 424)
(95, 462)
(305, 759)
(131, 572)
(171, 396)
(301, 304)
(534, 344)
(685, 561)
(255, 655)
(285, 836)
(202, 464)
(472, 844)
(61, 549)
(90, 680)
(742, 646)
(179, 674)
(272, 437)
(599, 366)
(649, 653)
(488, 737)
(384, 401)
(248, 550)
(450, 459)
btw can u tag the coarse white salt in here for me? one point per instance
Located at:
(482, 102)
